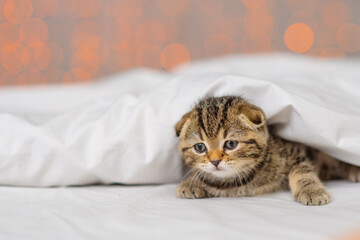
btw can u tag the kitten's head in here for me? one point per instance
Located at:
(224, 137)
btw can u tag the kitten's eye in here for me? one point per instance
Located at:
(230, 144)
(200, 147)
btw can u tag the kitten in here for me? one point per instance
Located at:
(231, 152)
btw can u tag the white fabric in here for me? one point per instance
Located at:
(152, 212)
(121, 129)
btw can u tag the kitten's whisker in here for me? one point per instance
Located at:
(188, 173)
(237, 175)
(251, 169)
(194, 177)
(239, 172)
(199, 179)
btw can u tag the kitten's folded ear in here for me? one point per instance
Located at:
(253, 117)
(180, 124)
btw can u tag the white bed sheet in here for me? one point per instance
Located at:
(152, 212)
(121, 129)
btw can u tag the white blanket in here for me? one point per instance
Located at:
(153, 213)
(121, 129)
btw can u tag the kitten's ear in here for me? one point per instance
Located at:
(180, 124)
(253, 117)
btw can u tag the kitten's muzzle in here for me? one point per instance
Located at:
(215, 162)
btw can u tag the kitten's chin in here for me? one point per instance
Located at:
(222, 173)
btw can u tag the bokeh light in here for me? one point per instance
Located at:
(15, 57)
(86, 8)
(34, 32)
(254, 4)
(85, 63)
(30, 77)
(123, 10)
(335, 13)
(56, 53)
(332, 52)
(173, 55)
(125, 59)
(117, 34)
(54, 75)
(44, 8)
(86, 40)
(148, 56)
(18, 11)
(348, 37)
(151, 33)
(258, 22)
(40, 57)
(299, 37)
(172, 7)
(2, 4)
(68, 78)
(71, 41)
(218, 44)
(9, 33)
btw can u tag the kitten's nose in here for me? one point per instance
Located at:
(215, 162)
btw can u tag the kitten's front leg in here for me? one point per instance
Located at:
(306, 186)
(191, 188)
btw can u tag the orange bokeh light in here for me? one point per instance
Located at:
(230, 26)
(68, 78)
(81, 73)
(29, 77)
(348, 37)
(123, 10)
(9, 78)
(332, 52)
(9, 33)
(15, 57)
(85, 63)
(44, 8)
(18, 12)
(249, 45)
(254, 4)
(299, 37)
(335, 13)
(86, 40)
(148, 56)
(210, 8)
(54, 75)
(173, 55)
(325, 36)
(87, 26)
(302, 14)
(152, 33)
(34, 32)
(40, 57)
(102, 37)
(125, 59)
(291, 1)
(172, 8)
(86, 8)
(117, 34)
(218, 44)
(259, 22)
(66, 10)
(2, 4)
(56, 53)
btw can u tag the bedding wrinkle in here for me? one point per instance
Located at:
(119, 130)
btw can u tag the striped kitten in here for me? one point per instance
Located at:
(230, 152)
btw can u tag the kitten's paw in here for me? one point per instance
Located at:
(184, 191)
(313, 196)
(354, 174)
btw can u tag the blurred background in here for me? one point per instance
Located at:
(71, 41)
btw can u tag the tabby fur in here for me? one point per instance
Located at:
(261, 163)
